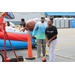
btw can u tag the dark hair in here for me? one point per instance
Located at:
(22, 19)
(51, 19)
(8, 24)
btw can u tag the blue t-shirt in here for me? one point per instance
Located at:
(40, 28)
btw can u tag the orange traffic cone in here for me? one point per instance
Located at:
(30, 56)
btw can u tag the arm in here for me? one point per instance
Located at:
(46, 39)
(46, 35)
(53, 38)
(55, 32)
(35, 28)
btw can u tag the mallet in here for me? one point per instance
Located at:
(43, 59)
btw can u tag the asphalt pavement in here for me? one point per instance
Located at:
(64, 51)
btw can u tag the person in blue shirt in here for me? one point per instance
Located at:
(41, 40)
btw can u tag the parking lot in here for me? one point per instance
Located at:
(64, 51)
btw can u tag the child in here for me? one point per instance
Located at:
(51, 37)
(8, 27)
(23, 24)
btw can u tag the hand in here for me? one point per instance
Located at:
(50, 40)
(48, 44)
(23, 29)
(33, 36)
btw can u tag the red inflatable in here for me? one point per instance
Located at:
(8, 15)
(15, 36)
(2, 15)
(12, 36)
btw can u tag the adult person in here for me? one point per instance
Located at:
(51, 39)
(23, 24)
(9, 27)
(41, 40)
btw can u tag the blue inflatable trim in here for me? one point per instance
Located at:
(16, 44)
